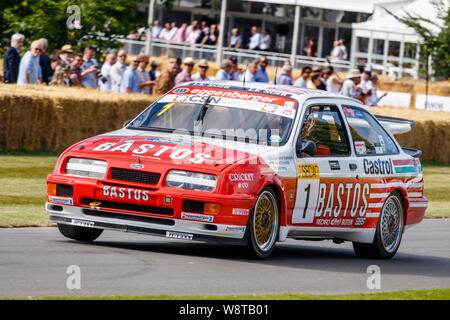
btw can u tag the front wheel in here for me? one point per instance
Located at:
(388, 234)
(263, 224)
(79, 233)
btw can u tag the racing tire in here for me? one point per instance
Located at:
(79, 233)
(389, 231)
(263, 225)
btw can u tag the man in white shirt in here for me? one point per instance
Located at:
(117, 71)
(156, 29)
(165, 33)
(373, 100)
(255, 39)
(266, 41)
(105, 79)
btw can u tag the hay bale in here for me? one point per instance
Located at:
(53, 118)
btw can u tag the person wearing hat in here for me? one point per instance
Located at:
(285, 76)
(165, 81)
(349, 87)
(185, 75)
(201, 74)
(66, 55)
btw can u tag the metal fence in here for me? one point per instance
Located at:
(244, 56)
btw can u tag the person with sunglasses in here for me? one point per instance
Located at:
(185, 74)
(301, 81)
(201, 74)
(29, 69)
(130, 80)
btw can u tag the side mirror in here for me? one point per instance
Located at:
(308, 147)
(126, 123)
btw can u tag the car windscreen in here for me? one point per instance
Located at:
(208, 119)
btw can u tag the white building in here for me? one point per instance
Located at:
(370, 34)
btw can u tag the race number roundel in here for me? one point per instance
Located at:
(307, 192)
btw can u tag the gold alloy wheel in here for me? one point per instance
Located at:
(265, 221)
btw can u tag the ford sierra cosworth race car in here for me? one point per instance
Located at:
(246, 164)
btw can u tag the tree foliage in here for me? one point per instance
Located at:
(435, 45)
(101, 21)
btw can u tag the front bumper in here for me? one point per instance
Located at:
(158, 226)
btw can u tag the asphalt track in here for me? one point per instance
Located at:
(34, 262)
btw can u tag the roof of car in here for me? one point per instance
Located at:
(298, 93)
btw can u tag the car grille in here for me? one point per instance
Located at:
(135, 176)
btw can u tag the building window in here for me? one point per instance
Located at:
(362, 44)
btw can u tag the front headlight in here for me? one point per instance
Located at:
(190, 180)
(86, 167)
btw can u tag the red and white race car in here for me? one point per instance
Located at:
(247, 165)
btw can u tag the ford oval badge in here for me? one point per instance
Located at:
(137, 166)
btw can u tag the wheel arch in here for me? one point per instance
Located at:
(404, 197)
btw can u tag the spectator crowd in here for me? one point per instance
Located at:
(81, 69)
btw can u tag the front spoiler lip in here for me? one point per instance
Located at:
(160, 230)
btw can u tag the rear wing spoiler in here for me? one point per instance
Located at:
(396, 125)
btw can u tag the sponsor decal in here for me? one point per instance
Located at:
(169, 141)
(404, 166)
(343, 200)
(266, 101)
(240, 229)
(197, 217)
(275, 138)
(61, 200)
(241, 177)
(168, 200)
(241, 212)
(360, 147)
(83, 223)
(378, 166)
(156, 151)
(180, 90)
(179, 235)
(125, 193)
(137, 166)
(308, 171)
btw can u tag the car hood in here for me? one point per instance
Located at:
(187, 151)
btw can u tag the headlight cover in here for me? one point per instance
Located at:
(190, 180)
(89, 168)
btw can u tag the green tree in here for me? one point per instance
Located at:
(101, 22)
(435, 45)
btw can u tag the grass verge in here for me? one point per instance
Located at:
(431, 294)
(23, 188)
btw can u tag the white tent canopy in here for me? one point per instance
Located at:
(366, 6)
(384, 23)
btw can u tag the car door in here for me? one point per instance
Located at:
(325, 178)
(377, 157)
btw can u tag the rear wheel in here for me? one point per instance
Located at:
(263, 225)
(79, 233)
(388, 234)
